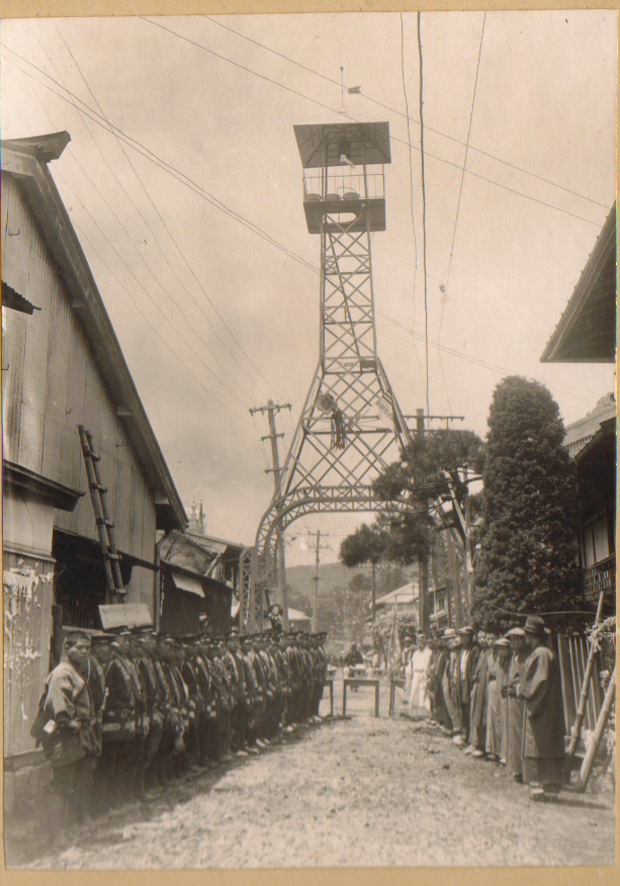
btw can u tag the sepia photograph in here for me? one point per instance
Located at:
(309, 441)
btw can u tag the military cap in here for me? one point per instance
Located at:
(502, 642)
(102, 637)
(466, 630)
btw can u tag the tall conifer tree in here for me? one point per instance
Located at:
(527, 559)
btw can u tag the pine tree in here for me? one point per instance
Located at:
(366, 545)
(527, 559)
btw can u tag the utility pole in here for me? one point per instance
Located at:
(422, 561)
(465, 521)
(315, 578)
(271, 408)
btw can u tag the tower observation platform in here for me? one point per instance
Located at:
(344, 182)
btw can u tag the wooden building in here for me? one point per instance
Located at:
(200, 575)
(586, 333)
(62, 367)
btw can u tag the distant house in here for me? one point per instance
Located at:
(62, 367)
(586, 333)
(405, 599)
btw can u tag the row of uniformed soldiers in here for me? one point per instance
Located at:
(163, 708)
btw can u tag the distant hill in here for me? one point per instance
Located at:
(336, 575)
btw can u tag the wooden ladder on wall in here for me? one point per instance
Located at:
(105, 526)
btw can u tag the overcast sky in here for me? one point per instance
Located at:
(183, 181)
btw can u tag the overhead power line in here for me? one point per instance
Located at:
(428, 408)
(158, 161)
(163, 222)
(155, 330)
(570, 389)
(406, 115)
(458, 205)
(148, 294)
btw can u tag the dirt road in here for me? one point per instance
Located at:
(356, 792)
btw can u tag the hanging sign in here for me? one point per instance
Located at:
(125, 615)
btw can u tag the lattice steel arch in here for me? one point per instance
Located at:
(351, 426)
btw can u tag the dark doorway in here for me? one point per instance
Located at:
(80, 583)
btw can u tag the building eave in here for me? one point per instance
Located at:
(559, 349)
(25, 159)
(16, 477)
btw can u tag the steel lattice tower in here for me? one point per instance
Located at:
(351, 426)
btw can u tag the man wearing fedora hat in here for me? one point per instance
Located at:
(543, 727)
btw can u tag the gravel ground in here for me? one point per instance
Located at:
(355, 792)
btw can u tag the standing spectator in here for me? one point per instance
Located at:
(543, 731)
(493, 733)
(66, 727)
(479, 696)
(516, 706)
(451, 681)
(436, 671)
(419, 703)
(467, 662)
(503, 659)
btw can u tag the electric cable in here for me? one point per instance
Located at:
(400, 114)
(146, 292)
(157, 333)
(163, 222)
(458, 206)
(428, 408)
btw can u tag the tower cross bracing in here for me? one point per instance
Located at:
(351, 426)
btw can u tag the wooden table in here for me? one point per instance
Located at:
(393, 684)
(359, 681)
(330, 682)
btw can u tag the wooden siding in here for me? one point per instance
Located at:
(53, 383)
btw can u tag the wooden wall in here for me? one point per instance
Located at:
(51, 382)
(27, 617)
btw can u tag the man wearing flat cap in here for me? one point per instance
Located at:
(543, 728)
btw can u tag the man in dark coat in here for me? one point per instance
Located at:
(436, 670)
(467, 662)
(66, 727)
(479, 697)
(516, 706)
(451, 681)
(543, 731)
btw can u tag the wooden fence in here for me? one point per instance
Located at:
(572, 651)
